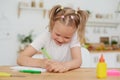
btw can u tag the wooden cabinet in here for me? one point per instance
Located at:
(117, 60)
(111, 58)
(94, 59)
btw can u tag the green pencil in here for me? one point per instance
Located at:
(45, 53)
(31, 71)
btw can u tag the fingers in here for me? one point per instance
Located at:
(51, 66)
(56, 67)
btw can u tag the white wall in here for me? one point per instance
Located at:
(11, 25)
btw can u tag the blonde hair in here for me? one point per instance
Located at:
(70, 17)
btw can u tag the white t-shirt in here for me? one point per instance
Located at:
(58, 53)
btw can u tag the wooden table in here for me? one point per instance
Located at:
(77, 74)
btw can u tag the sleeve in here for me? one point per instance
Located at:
(74, 42)
(39, 41)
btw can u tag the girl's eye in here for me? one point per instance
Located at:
(67, 38)
(57, 34)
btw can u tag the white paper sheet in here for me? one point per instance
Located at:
(27, 68)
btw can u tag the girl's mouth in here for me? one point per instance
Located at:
(57, 42)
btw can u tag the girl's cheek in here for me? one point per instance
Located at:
(53, 36)
(67, 41)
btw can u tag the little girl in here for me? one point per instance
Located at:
(62, 41)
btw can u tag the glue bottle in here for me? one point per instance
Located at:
(101, 68)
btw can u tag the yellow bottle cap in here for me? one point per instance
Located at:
(101, 58)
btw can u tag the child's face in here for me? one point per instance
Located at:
(61, 33)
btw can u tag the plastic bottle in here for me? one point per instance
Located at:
(101, 68)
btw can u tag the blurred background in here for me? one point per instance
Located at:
(22, 20)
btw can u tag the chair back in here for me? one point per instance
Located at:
(85, 57)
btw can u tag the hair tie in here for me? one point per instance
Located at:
(72, 17)
(62, 16)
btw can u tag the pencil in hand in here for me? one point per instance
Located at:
(45, 53)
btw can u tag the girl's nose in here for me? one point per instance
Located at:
(60, 39)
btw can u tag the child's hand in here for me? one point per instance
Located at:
(53, 66)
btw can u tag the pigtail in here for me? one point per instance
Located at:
(83, 15)
(52, 14)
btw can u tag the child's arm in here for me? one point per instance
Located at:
(65, 66)
(76, 58)
(25, 58)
